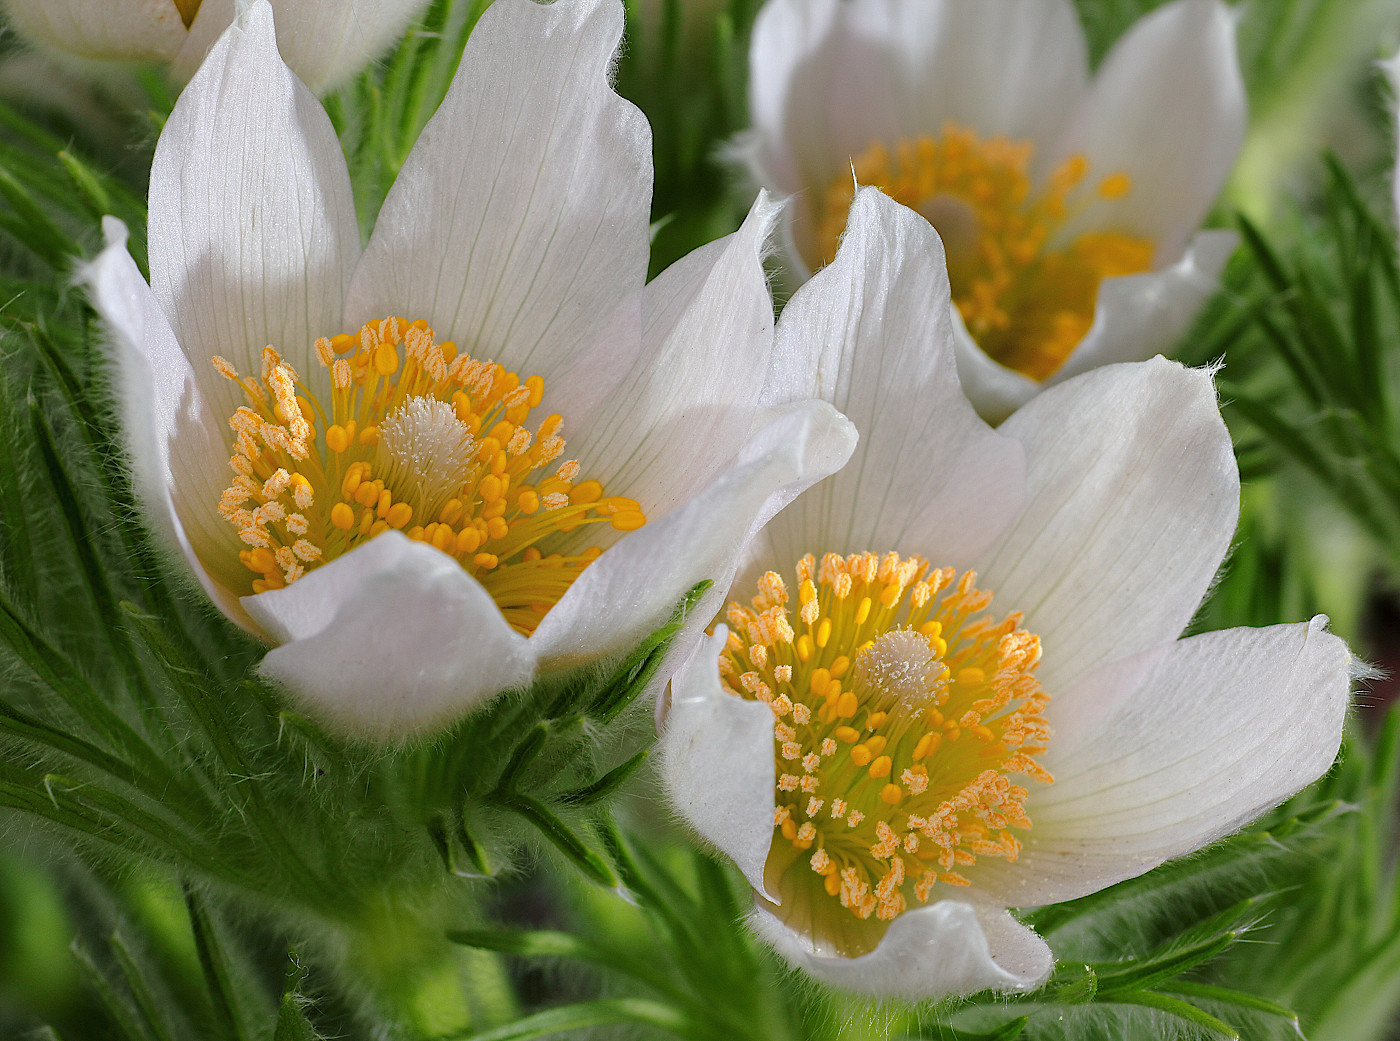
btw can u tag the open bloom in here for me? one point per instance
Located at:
(479, 447)
(951, 680)
(1067, 206)
(325, 42)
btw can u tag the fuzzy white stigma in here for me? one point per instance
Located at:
(901, 666)
(425, 453)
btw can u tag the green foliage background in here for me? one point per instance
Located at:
(182, 857)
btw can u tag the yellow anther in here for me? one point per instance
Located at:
(1115, 186)
(881, 766)
(847, 704)
(399, 514)
(849, 735)
(366, 494)
(444, 538)
(337, 439)
(861, 755)
(876, 743)
(528, 501)
(585, 493)
(386, 359)
(971, 676)
(261, 559)
(890, 794)
(823, 632)
(342, 516)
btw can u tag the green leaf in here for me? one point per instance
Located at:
(560, 835)
(606, 785)
(120, 1014)
(32, 226)
(136, 982)
(580, 1016)
(218, 974)
(1181, 1010)
(1226, 996)
(292, 1024)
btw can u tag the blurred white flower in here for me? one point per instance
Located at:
(325, 42)
(1067, 204)
(958, 686)
(405, 491)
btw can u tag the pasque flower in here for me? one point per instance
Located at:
(478, 448)
(951, 680)
(1067, 204)
(325, 42)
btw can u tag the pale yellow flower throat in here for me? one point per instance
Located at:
(1025, 294)
(418, 438)
(901, 710)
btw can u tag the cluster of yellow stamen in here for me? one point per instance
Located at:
(1025, 294)
(418, 438)
(901, 711)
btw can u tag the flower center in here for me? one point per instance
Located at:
(902, 710)
(1025, 293)
(188, 9)
(417, 438)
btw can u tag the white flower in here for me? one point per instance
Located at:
(309, 482)
(1067, 205)
(325, 42)
(892, 754)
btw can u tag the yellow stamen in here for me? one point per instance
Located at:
(943, 708)
(402, 450)
(1025, 293)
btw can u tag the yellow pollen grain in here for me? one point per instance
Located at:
(501, 506)
(1026, 288)
(898, 663)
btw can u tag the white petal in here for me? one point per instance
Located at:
(390, 640)
(817, 93)
(687, 404)
(252, 227)
(178, 459)
(1218, 728)
(1136, 317)
(1391, 69)
(945, 949)
(1168, 108)
(994, 390)
(632, 589)
(520, 219)
(716, 761)
(1012, 68)
(872, 334)
(1132, 499)
(828, 79)
(1141, 315)
(149, 30)
(325, 42)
